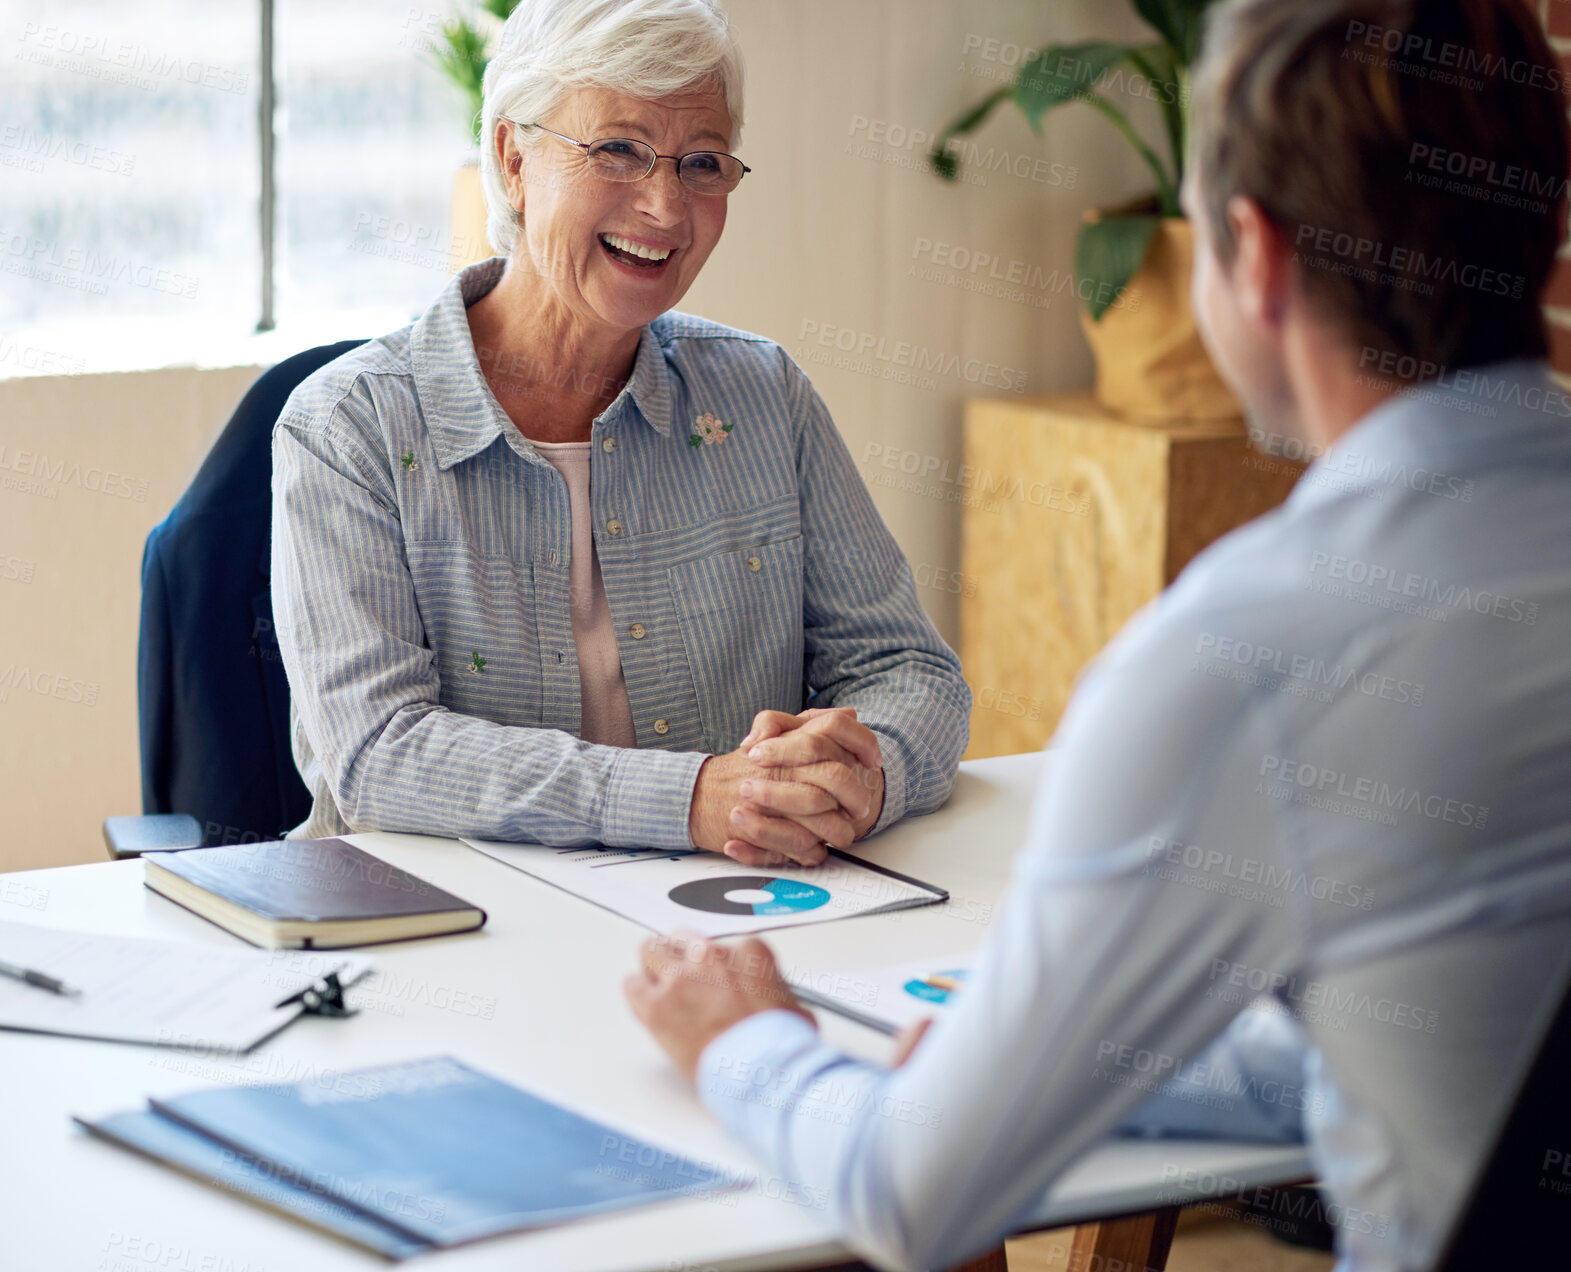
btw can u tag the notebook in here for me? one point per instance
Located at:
(408, 1157)
(307, 894)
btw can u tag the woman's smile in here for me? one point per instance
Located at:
(637, 257)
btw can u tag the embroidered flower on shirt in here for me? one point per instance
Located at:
(707, 430)
(476, 663)
(408, 462)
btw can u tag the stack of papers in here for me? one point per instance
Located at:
(666, 890)
(167, 993)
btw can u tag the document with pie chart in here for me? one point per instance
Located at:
(666, 889)
(890, 998)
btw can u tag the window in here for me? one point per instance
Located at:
(128, 161)
(131, 167)
(369, 141)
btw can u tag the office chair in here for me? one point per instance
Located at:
(212, 697)
(1519, 1211)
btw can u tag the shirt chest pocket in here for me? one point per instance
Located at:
(741, 619)
(480, 623)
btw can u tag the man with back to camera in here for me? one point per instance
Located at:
(1331, 761)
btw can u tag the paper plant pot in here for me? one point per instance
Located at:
(466, 240)
(1149, 359)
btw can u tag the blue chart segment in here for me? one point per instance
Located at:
(749, 894)
(938, 987)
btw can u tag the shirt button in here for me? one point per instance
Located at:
(662, 727)
(637, 629)
(754, 564)
(608, 444)
(613, 527)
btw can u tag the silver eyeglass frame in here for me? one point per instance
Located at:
(656, 157)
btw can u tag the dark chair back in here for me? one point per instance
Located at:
(212, 696)
(1519, 1213)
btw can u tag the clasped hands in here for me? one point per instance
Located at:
(795, 784)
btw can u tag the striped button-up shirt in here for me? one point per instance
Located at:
(420, 589)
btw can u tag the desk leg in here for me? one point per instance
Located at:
(1137, 1242)
(992, 1261)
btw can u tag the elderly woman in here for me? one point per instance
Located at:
(555, 563)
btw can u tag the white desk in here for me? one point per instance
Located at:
(534, 997)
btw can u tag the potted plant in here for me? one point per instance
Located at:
(462, 52)
(1132, 263)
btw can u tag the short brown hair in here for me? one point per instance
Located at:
(1414, 153)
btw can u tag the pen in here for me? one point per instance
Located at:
(842, 1009)
(41, 979)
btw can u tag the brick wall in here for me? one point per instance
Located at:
(1556, 15)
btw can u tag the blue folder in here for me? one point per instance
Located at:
(408, 1157)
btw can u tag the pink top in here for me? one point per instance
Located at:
(607, 714)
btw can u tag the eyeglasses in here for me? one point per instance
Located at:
(625, 159)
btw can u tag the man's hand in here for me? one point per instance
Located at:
(906, 1041)
(688, 991)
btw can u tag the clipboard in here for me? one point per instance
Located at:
(166, 993)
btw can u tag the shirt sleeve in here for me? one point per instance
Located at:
(367, 689)
(1250, 1084)
(1092, 993)
(868, 642)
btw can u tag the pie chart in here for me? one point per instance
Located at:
(938, 987)
(749, 894)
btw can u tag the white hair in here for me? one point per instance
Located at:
(645, 48)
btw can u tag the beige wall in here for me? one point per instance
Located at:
(828, 230)
(88, 465)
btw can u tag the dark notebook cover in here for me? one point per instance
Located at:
(432, 1151)
(310, 880)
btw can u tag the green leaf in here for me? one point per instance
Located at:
(1179, 22)
(1063, 73)
(973, 117)
(943, 162)
(1157, 63)
(462, 58)
(1108, 253)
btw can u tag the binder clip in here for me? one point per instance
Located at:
(322, 998)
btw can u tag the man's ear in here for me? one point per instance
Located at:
(1261, 268)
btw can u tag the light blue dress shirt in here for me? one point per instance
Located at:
(420, 589)
(1332, 764)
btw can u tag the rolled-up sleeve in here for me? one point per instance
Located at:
(366, 685)
(868, 642)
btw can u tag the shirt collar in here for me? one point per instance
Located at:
(462, 414)
(1462, 423)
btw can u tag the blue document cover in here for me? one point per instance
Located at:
(432, 1151)
(169, 1142)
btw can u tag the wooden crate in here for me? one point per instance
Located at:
(1074, 519)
